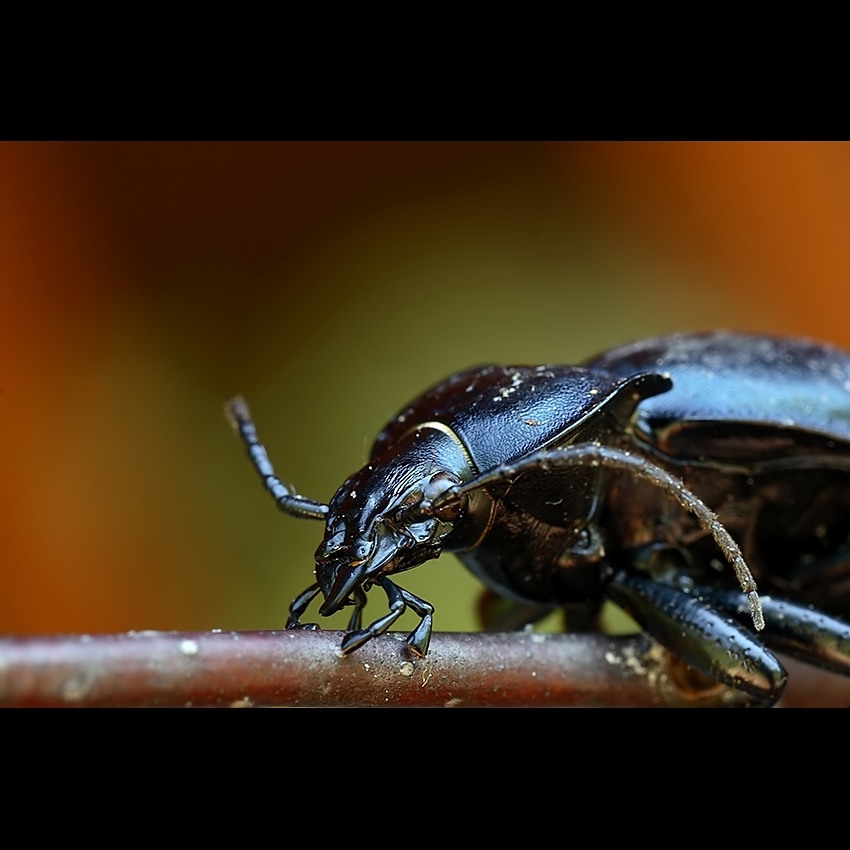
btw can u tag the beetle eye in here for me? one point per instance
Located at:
(451, 510)
(438, 484)
(436, 487)
(407, 514)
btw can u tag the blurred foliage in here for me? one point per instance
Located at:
(145, 284)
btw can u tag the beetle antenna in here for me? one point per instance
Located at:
(594, 454)
(286, 499)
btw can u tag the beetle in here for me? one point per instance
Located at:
(639, 476)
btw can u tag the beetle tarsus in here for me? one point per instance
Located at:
(354, 640)
(420, 638)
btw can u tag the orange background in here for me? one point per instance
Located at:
(144, 284)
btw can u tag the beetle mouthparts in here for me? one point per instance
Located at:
(345, 582)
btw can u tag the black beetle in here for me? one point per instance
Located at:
(553, 485)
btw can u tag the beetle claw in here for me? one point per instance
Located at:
(354, 640)
(420, 638)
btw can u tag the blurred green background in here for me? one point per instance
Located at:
(329, 283)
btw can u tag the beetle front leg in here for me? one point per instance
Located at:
(299, 606)
(701, 636)
(420, 637)
(354, 640)
(399, 600)
(357, 614)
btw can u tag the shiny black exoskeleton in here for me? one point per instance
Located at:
(640, 477)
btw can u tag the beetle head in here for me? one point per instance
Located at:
(380, 520)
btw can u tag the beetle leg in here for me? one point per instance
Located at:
(286, 499)
(805, 633)
(704, 638)
(299, 606)
(420, 637)
(357, 614)
(594, 454)
(356, 639)
(399, 600)
(497, 613)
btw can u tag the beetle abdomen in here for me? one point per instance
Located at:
(746, 379)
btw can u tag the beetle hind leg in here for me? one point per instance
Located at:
(700, 635)
(798, 630)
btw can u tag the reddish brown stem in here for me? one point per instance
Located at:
(303, 668)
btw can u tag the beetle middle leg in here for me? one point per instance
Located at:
(497, 613)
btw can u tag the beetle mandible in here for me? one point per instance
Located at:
(632, 477)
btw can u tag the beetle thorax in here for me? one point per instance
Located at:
(375, 526)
